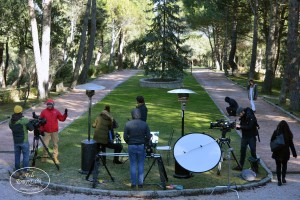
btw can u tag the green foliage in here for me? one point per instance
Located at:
(166, 58)
(64, 74)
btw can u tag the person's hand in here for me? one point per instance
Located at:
(66, 111)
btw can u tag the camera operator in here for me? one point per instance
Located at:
(248, 126)
(136, 135)
(104, 124)
(50, 129)
(233, 106)
(20, 126)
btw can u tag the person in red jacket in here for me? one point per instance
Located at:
(50, 129)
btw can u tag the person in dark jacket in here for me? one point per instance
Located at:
(142, 107)
(233, 106)
(20, 126)
(248, 126)
(136, 135)
(282, 155)
(103, 125)
(50, 129)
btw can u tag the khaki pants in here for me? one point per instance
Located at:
(54, 137)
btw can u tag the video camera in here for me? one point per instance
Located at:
(149, 149)
(36, 122)
(223, 125)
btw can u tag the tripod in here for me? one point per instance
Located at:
(99, 157)
(37, 137)
(229, 153)
(222, 141)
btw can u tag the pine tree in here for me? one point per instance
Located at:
(166, 57)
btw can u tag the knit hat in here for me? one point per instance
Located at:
(50, 101)
(18, 109)
(239, 110)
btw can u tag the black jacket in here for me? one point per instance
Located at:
(284, 153)
(248, 124)
(136, 131)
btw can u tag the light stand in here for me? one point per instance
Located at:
(88, 147)
(230, 151)
(183, 96)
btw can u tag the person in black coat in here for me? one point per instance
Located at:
(248, 126)
(282, 155)
(142, 107)
(233, 106)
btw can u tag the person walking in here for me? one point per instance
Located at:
(136, 135)
(142, 107)
(282, 155)
(20, 126)
(233, 106)
(248, 126)
(252, 93)
(103, 125)
(50, 128)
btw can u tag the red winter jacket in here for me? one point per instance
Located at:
(52, 116)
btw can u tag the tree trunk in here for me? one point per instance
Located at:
(6, 64)
(41, 68)
(1, 60)
(225, 53)
(254, 41)
(84, 74)
(99, 53)
(231, 62)
(120, 51)
(271, 49)
(291, 76)
(81, 45)
(22, 66)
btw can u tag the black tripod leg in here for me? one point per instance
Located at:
(57, 166)
(91, 168)
(149, 169)
(104, 164)
(232, 153)
(34, 150)
(221, 160)
(96, 171)
(162, 172)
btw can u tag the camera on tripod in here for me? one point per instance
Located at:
(37, 122)
(223, 125)
(149, 149)
(118, 138)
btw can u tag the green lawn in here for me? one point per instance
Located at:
(164, 114)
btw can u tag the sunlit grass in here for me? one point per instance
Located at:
(164, 115)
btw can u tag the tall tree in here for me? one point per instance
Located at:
(166, 56)
(255, 39)
(290, 81)
(271, 48)
(42, 55)
(81, 45)
(83, 76)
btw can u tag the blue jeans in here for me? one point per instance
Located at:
(137, 159)
(252, 145)
(24, 149)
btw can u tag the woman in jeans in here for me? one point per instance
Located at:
(136, 135)
(282, 155)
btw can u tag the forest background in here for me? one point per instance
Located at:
(48, 43)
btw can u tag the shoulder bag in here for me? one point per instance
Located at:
(277, 143)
